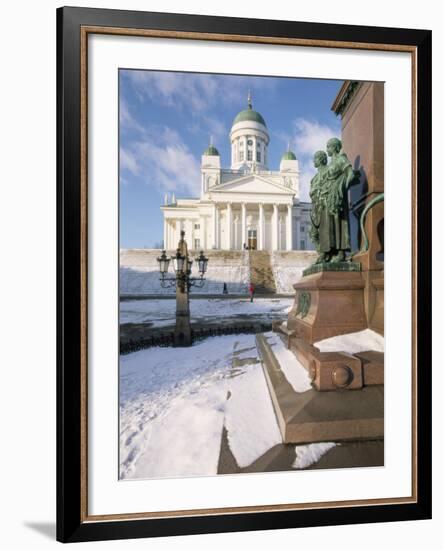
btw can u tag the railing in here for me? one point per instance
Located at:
(243, 171)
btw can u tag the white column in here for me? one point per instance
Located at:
(214, 227)
(178, 224)
(289, 228)
(235, 233)
(203, 233)
(261, 228)
(243, 224)
(189, 236)
(170, 235)
(165, 232)
(281, 238)
(275, 228)
(229, 225)
(217, 227)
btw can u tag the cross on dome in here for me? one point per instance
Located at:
(249, 100)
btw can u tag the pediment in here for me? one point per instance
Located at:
(252, 183)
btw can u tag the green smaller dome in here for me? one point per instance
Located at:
(211, 151)
(289, 155)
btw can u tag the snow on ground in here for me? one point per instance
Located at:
(174, 404)
(293, 370)
(172, 412)
(162, 312)
(353, 343)
(250, 419)
(306, 455)
(298, 377)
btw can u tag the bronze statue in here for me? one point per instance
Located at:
(317, 188)
(330, 209)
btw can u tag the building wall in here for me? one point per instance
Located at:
(201, 226)
(301, 225)
(363, 142)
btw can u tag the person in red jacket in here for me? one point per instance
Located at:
(251, 291)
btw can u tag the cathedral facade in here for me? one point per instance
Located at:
(246, 205)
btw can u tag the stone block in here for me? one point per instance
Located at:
(328, 303)
(313, 416)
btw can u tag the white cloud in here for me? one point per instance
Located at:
(127, 121)
(128, 161)
(217, 128)
(311, 136)
(164, 157)
(308, 137)
(164, 161)
(198, 92)
(209, 127)
(174, 89)
(307, 172)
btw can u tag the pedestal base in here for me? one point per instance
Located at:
(314, 416)
(328, 303)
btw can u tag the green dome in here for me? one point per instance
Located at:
(289, 155)
(211, 151)
(249, 115)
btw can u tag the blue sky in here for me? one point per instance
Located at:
(167, 118)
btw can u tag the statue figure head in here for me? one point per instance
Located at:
(333, 146)
(320, 159)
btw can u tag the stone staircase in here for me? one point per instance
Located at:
(261, 273)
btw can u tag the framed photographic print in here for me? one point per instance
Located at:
(223, 328)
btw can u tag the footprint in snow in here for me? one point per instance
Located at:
(130, 438)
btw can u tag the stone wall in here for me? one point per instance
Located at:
(288, 267)
(139, 275)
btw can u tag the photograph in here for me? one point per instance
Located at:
(226, 361)
(199, 350)
(251, 274)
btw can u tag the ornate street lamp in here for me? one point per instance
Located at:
(183, 282)
(163, 262)
(202, 263)
(178, 261)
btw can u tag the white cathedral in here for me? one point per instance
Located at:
(247, 205)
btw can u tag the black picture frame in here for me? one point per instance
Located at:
(72, 525)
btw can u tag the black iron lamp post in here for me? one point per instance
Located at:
(183, 281)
